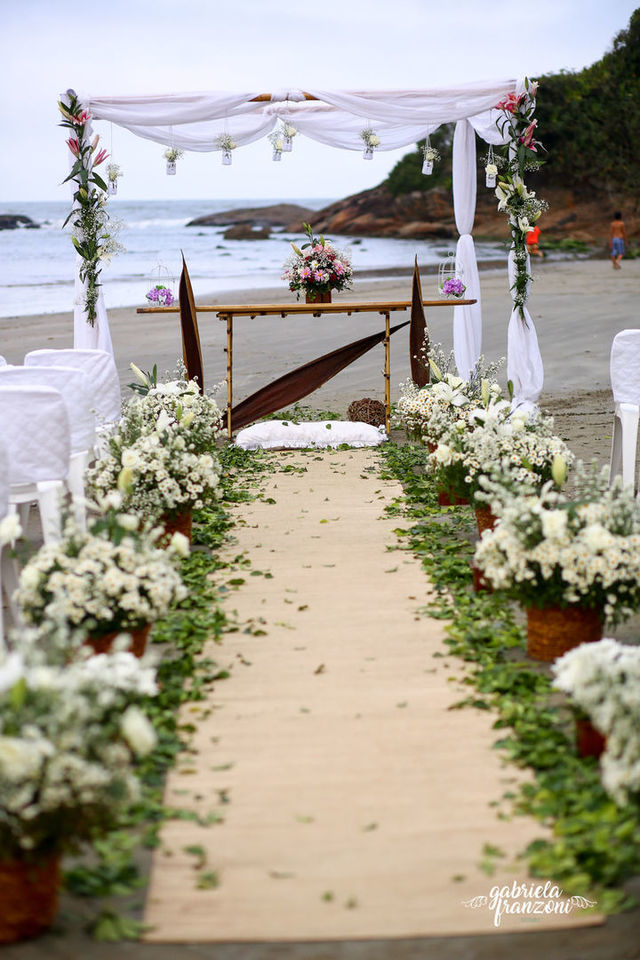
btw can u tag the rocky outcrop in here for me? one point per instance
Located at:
(12, 221)
(244, 231)
(277, 215)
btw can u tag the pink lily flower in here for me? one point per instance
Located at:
(96, 141)
(527, 137)
(100, 157)
(74, 146)
(82, 118)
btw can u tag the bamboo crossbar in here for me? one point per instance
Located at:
(275, 309)
(266, 98)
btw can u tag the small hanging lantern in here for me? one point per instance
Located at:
(161, 287)
(429, 156)
(172, 154)
(490, 169)
(451, 284)
(288, 133)
(225, 143)
(371, 140)
(113, 172)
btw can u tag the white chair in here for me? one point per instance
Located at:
(73, 385)
(34, 426)
(625, 384)
(99, 367)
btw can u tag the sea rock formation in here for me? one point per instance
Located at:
(276, 215)
(13, 221)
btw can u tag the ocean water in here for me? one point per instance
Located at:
(36, 266)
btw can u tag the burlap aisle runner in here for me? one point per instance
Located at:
(355, 804)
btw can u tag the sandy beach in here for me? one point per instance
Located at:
(578, 307)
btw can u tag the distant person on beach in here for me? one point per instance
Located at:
(533, 240)
(617, 239)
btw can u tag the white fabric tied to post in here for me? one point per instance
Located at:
(467, 319)
(294, 96)
(86, 336)
(524, 364)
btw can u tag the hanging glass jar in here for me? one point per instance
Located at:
(113, 171)
(227, 158)
(171, 155)
(429, 156)
(371, 140)
(288, 133)
(491, 169)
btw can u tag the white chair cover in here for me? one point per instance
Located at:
(100, 368)
(35, 428)
(625, 367)
(74, 387)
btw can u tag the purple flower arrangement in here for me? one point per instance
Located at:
(160, 295)
(453, 287)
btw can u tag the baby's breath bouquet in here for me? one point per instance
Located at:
(549, 551)
(111, 577)
(68, 738)
(492, 441)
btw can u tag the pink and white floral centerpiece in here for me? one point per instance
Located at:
(317, 267)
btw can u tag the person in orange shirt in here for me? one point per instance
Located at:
(533, 239)
(617, 239)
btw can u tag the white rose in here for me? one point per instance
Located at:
(19, 759)
(138, 731)
(442, 454)
(128, 521)
(180, 544)
(491, 169)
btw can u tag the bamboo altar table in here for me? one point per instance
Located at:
(227, 312)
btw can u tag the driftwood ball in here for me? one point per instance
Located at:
(367, 411)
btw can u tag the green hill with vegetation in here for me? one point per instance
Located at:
(588, 121)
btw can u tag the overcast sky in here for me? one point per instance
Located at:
(162, 46)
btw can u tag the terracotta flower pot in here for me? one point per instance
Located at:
(485, 519)
(554, 630)
(28, 897)
(318, 297)
(103, 642)
(181, 522)
(589, 741)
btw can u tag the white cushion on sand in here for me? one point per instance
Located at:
(322, 433)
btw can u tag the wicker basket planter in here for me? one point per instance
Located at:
(181, 522)
(485, 519)
(446, 498)
(367, 411)
(554, 630)
(104, 642)
(28, 898)
(589, 741)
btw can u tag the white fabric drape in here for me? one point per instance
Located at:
(524, 363)
(467, 320)
(194, 121)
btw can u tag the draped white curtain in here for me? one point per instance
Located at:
(524, 363)
(194, 121)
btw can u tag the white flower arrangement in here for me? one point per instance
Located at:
(69, 735)
(491, 441)
(549, 551)
(370, 138)
(157, 474)
(177, 404)
(225, 142)
(428, 412)
(430, 154)
(603, 681)
(109, 578)
(171, 154)
(114, 172)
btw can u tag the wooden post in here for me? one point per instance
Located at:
(387, 373)
(229, 352)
